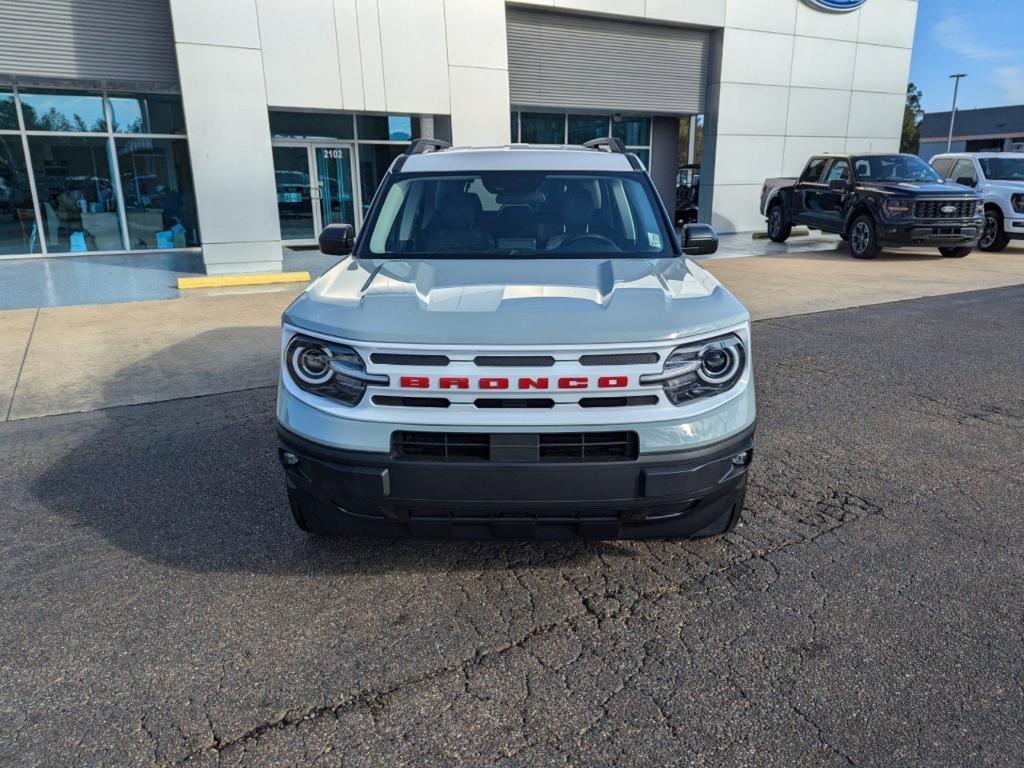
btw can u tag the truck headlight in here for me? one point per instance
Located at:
(1017, 201)
(897, 206)
(701, 369)
(329, 370)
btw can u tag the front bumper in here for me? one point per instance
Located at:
(1014, 227)
(893, 233)
(688, 493)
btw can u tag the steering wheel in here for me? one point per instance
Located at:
(579, 238)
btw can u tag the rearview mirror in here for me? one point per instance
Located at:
(838, 185)
(699, 240)
(967, 181)
(337, 239)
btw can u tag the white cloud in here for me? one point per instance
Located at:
(954, 33)
(1011, 81)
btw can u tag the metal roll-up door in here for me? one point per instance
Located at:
(88, 40)
(563, 61)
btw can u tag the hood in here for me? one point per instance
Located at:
(1009, 187)
(937, 188)
(515, 301)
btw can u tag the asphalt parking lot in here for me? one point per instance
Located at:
(159, 608)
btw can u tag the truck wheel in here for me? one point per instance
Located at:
(778, 227)
(955, 253)
(863, 242)
(993, 237)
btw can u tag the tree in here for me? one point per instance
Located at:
(913, 112)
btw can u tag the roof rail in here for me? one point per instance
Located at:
(613, 144)
(421, 146)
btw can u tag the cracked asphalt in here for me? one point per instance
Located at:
(157, 606)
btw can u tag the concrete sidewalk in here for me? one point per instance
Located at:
(66, 359)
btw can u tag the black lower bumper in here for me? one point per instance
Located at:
(692, 493)
(951, 234)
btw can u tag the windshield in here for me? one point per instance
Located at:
(894, 168)
(514, 213)
(1003, 168)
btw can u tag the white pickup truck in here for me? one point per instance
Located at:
(999, 178)
(516, 346)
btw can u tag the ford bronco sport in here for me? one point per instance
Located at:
(515, 346)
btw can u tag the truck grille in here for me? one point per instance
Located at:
(932, 209)
(544, 447)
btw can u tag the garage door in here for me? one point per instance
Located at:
(563, 61)
(111, 40)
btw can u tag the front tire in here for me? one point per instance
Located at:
(863, 238)
(778, 227)
(955, 253)
(994, 237)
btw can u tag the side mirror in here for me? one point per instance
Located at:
(967, 181)
(337, 239)
(838, 185)
(699, 240)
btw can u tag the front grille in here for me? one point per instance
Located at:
(411, 402)
(516, 361)
(629, 358)
(932, 209)
(451, 446)
(386, 358)
(589, 446)
(550, 447)
(514, 402)
(618, 402)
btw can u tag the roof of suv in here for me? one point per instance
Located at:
(1015, 155)
(517, 157)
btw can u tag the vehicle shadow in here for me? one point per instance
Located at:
(195, 484)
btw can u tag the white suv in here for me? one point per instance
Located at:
(999, 179)
(516, 346)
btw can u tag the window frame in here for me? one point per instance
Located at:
(109, 136)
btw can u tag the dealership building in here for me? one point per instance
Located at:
(235, 128)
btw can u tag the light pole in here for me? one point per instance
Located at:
(952, 115)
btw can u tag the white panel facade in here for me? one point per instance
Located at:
(296, 45)
(839, 79)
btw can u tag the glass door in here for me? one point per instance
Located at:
(334, 188)
(294, 193)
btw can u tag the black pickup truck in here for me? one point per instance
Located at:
(875, 201)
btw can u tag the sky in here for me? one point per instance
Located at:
(984, 38)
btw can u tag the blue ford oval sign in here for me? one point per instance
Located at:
(839, 6)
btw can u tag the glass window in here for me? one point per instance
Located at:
(310, 125)
(965, 170)
(76, 194)
(374, 161)
(840, 171)
(894, 168)
(812, 173)
(159, 199)
(146, 114)
(586, 127)
(18, 231)
(514, 127)
(63, 111)
(1003, 168)
(386, 128)
(504, 214)
(632, 130)
(8, 115)
(943, 165)
(541, 128)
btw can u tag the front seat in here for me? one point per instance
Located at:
(577, 214)
(458, 230)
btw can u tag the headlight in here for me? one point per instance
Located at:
(1017, 201)
(701, 369)
(329, 370)
(979, 209)
(897, 206)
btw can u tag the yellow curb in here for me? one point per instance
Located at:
(794, 233)
(261, 278)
